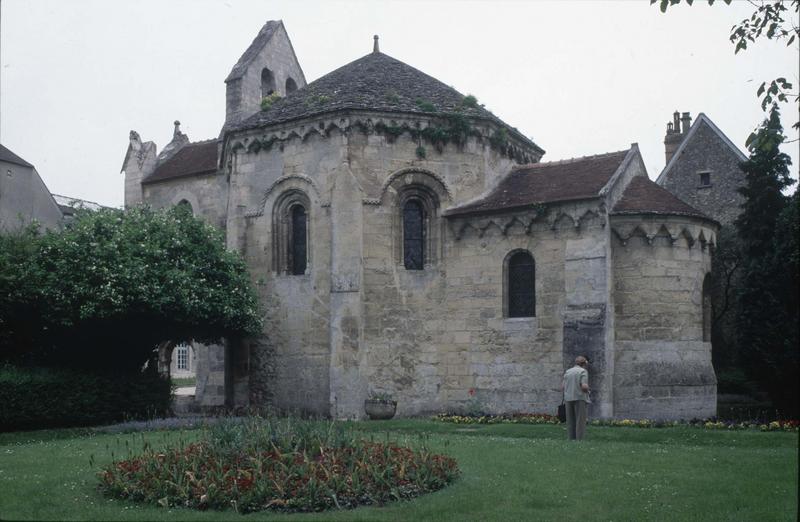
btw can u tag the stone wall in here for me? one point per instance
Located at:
(206, 193)
(319, 347)
(707, 152)
(438, 339)
(662, 367)
(290, 364)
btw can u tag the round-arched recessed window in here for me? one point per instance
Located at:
(521, 285)
(413, 235)
(267, 82)
(298, 249)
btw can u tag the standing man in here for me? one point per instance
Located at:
(576, 396)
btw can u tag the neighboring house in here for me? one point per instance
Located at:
(23, 195)
(407, 241)
(182, 364)
(703, 167)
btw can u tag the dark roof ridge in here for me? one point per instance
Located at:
(569, 160)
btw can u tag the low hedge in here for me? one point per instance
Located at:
(37, 398)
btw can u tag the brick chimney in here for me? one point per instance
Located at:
(686, 123)
(674, 137)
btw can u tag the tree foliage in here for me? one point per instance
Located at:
(771, 20)
(767, 314)
(112, 285)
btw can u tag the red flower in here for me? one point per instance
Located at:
(472, 392)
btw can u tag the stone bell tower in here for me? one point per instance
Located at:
(268, 66)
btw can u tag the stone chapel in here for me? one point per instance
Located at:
(406, 241)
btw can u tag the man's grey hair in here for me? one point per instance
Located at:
(580, 360)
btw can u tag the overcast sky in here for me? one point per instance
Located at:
(579, 78)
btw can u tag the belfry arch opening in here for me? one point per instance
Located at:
(267, 82)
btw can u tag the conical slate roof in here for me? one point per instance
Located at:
(375, 82)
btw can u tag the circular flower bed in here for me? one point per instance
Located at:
(285, 465)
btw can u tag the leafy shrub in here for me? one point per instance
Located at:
(268, 100)
(36, 398)
(470, 101)
(105, 291)
(425, 105)
(285, 465)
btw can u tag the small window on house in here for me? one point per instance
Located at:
(182, 362)
(297, 237)
(291, 85)
(267, 82)
(520, 284)
(413, 235)
(705, 179)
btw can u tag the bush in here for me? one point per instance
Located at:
(36, 398)
(285, 465)
(103, 292)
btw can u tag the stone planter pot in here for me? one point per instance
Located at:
(380, 410)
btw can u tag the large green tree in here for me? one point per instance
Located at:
(767, 311)
(113, 284)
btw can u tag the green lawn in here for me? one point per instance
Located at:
(185, 381)
(509, 472)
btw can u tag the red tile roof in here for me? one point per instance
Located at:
(195, 158)
(574, 179)
(643, 196)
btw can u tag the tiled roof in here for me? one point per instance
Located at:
(373, 82)
(260, 40)
(574, 179)
(643, 196)
(9, 157)
(194, 158)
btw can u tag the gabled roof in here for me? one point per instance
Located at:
(701, 118)
(557, 181)
(375, 82)
(643, 196)
(191, 159)
(9, 157)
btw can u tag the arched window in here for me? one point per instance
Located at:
(185, 204)
(413, 235)
(707, 309)
(291, 85)
(297, 237)
(267, 82)
(290, 233)
(521, 285)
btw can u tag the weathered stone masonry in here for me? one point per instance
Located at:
(618, 261)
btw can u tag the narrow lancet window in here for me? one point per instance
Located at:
(297, 251)
(521, 285)
(413, 235)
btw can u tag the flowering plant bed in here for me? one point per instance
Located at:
(543, 418)
(261, 464)
(509, 418)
